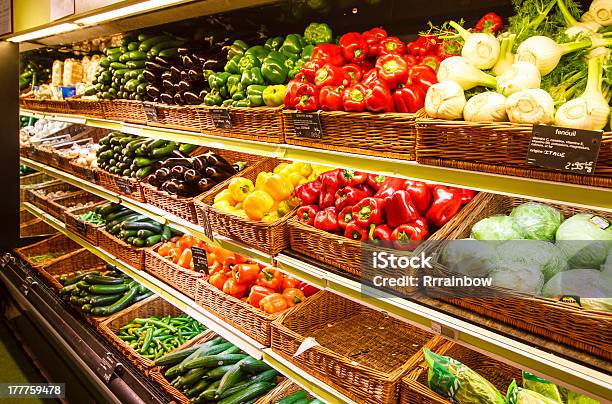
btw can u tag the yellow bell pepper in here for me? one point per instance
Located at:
(277, 187)
(261, 180)
(305, 169)
(318, 170)
(257, 204)
(270, 217)
(240, 213)
(291, 175)
(223, 206)
(287, 206)
(225, 195)
(240, 187)
(280, 167)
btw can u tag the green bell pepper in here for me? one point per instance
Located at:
(274, 96)
(274, 43)
(260, 52)
(255, 95)
(274, 70)
(223, 92)
(218, 80)
(240, 95)
(227, 103)
(295, 69)
(212, 98)
(248, 62)
(251, 76)
(292, 44)
(307, 52)
(233, 84)
(242, 104)
(237, 48)
(233, 65)
(318, 33)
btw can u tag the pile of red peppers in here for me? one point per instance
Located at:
(363, 206)
(370, 71)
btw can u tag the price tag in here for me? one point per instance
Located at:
(81, 227)
(151, 112)
(221, 118)
(308, 124)
(90, 175)
(34, 153)
(200, 262)
(124, 185)
(564, 149)
(208, 230)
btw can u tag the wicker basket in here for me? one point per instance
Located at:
(174, 116)
(587, 330)
(55, 244)
(87, 230)
(30, 181)
(498, 148)
(79, 260)
(83, 172)
(127, 253)
(124, 111)
(264, 124)
(415, 389)
(362, 353)
(181, 279)
(85, 107)
(152, 306)
(25, 216)
(343, 253)
(38, 104)
(109, 181)
(184, 207)
(43, 202)
(59, 206)
(35, 228)
(390, 135)
(58, 107)
(284, 388)
(271, 238)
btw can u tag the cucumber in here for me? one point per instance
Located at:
(166, 233)
(119, 73)
(102, 280)
(157, 48)
(108, 208)
(113, 51)
(138, 242)
(234, 389)
(142, 87)
(254, 366)
(191, 377)
(218, 372)
(104, 300)
(252, 391)
(267, 376)
(137, 55)
(143, 172)
(132, 46)
(163, 151)
(135, 64)
(176, 357)
(187, 148)
(203, 351)
(166, 53)
(142, 37)
(148, 43)
(108, 289)
(156, 144)
(209, 393)
(292, 398)
(231, 377)
(131, 85)
(142, 161)
(118, 65)
(152, 240)
(198, 388)
(210, 361)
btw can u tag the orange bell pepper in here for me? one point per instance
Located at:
(233, 288)
(164, 249)
(273, 303)
(184, 260)
(293, 296)
(246, 273)
(218, 280)
(270, 277)
(290, 282)
(215, 267)
(257, 293)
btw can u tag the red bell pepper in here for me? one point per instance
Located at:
(369, 76)
(257, 293)
(390, 185)
(309, 192)
(380, 233)
(353, 98)
(375, 181)
(365, 188)
(490, 23)
(378, 97)
(466, 194)
(307, 289)
(348, 196)
(432, 61)
(448, 48)
(399, 208)
(292, 87)
(345, 217)
(354, 72)
(405, 235)
(369, 211)
(409, 98)
(423, 45)
(422, 222)
(328, 53)
(329, 185)
(330, 98)
(373, 38)
(423, 76)
(348, 177)
(327, 220)
(392, 69)
(410, 60)
(392, 44)
(420, 195)
(354, 47)
(306, 97)
(329, 75)
(309, 69)
(366, 65)
(446, 202)
(306, 214)
(355, 232)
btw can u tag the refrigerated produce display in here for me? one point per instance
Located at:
(281, 202)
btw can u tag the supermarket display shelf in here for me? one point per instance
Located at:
(546, 191)
(190, 307)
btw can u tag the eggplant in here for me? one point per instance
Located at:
(166, 98)
(192, 176)
(176, 74)
(154, 67)
(173, 162)
(205, 184)
(203, 94)
(178, 172)
(214, 64)
(191, 98)
(153, 91)
(200, 163)
(173, 186)
(195, 75)
(162, 174)
(182, 51)
(177, 154)
(184, 75)
(215, 160)
(168, 86)
(239, 165)
(164, 62)
(188, 62)
(166, 76)
(178, 99)
(217, 174)
(149, 76)
(184, 86)
(152, 179)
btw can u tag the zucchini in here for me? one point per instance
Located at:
(166, 233)
(156, 144)
(137, 55)
(231, 377)
(292, 398)
(187, 148)
(210, 361)
(135, 64)
(119, 73)
(157, 48)
(118, 65)
(78, 278)
(108, 289)
(116, 215)
(142, 161)
(108, 208)
(132, 46)
(150, 42)
(143, 172)
(152, 240)
(254, 366)
(134, 144)
(234, 389)
(166, 53)
(131, 85)
(142, 37)
(252, 391)
(68, 289)
(163, 151)
(143, 233)
(86, 307)
(154, 227)
(82, 285)
(138, 242)
(112, 51)
(102, 280)
(104, 300)
(120, 304)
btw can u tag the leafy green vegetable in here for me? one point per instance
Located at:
(517, 276)
(537, 220)
(539, 385)
(518, 395)
(497, 228)
(546, 257)
(531, 18)
(470, 257)
(585, 240)
(588, 283)
(577, 398)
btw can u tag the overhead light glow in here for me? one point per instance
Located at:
(126, 11)
(41, 33)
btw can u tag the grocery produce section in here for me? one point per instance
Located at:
(214, 195)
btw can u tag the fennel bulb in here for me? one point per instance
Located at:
(460, 70)
(519, 76)
(506, 57)
(591, 110)
(545, 53)
(530, 106)
(601, 12)
(445, 100)
(480, 49)
(575, 28)
(486, 107)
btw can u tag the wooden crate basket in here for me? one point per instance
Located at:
(35, 228)
(361, 352)
(83, 172)
(498, 148)
(79, 260)
(282, 390)
(43, 202)
(30, 181)
(181, 279)
(124, 111)
(344, 253)
(173, 116)
(58, 106)
(184, 207)
(270, 238)
(86, 107)
(391, 135)
(59, 206)
(587, 330)
(109, 181)
(88, 231)
(56, 244)
(264, 124)
(125, 252)
(37, 104)
(415, 389)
